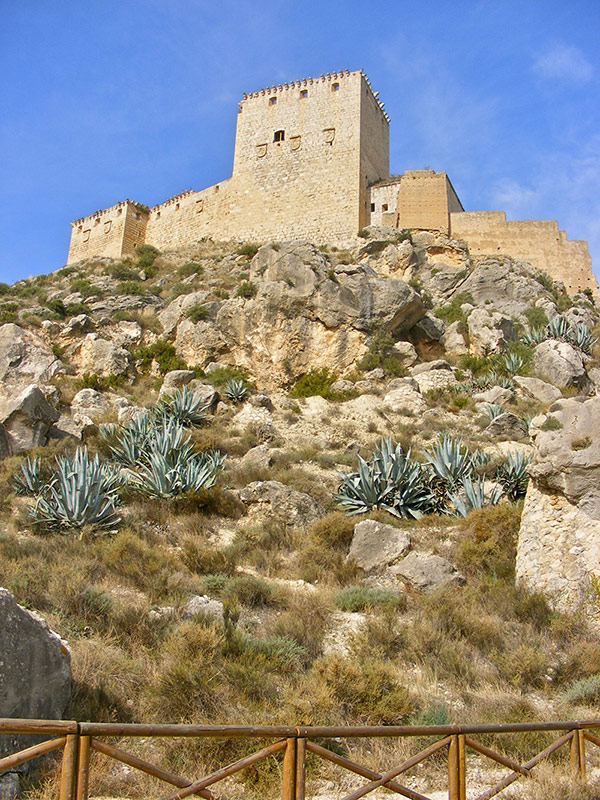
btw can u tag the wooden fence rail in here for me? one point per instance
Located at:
(79, 740)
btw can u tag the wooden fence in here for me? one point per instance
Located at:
(79, 740)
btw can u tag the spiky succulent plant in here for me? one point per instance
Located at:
(473, 496)
(29, 479)
(513, 476)
(388, 480)
(236, 390)
(81, 493)
(183, 405)
(449, 460)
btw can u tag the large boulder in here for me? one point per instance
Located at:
(24, 357)
(426, 571)
(35, 673)
(376, 545)
(26, 418)
(489, 331)
(561, 363)
(538, 389)
(101, 357)
(280, 501)
(90, 403)
(559, 539)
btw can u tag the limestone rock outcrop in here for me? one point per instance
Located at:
(301, 317)
(24, 357)
(35, 671)
(559, 539)
(26, 418)
(561, 363)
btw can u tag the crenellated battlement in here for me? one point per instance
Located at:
(311, 161)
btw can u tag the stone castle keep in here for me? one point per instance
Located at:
(311, 161)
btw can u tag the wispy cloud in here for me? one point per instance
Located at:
(563, 62)
(563, 187)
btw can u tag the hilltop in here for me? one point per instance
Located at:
(242, 592)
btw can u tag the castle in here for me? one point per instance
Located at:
(311, 161)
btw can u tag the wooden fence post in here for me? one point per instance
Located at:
(289, 770)
(68, 771)
(83, 768)
(456, 768)
(300, 768)
(578, 755)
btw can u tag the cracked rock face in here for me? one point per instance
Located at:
(35, 671)
(302, 316)
(559, 540)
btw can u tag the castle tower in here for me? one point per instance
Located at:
(305, 153)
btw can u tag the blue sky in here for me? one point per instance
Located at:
(138, 98)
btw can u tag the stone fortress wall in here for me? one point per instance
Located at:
(311, 161)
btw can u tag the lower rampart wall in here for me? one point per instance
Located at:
(539, 242)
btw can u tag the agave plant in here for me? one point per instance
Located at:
(29, 480)
(170, 475)
(81, 493)
(449, 460)
(513, 362)
(133, 439)
(479, 458)
(184, 405)
(535, 336)
(493, 410)
(512, 475)
(473, 496)
(235, 390)
(558, 328)
(580, 336)
(389, 480)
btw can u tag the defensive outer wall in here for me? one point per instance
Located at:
(311, 161)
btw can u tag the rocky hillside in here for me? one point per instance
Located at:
(286, 483)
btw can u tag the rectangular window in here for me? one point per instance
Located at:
(303, 94)
(272, 101)
(372, 206)
(279, 136)
(384, 207)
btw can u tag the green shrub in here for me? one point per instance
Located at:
(381, 354)
(189, 268)
(74, 309)
(248, 250)
(163, 353)
(536, 317)
(147, 255)
(197, 313)
(246, 289)
(363, 233)
(121, 272)
(85, 288)
(57, 307)
(583, 690)
(101, 383)
(5, 289)
(404, 235)
(452, 311)
(362, 598)
(551, 424)
(131, 287)
(315, 382)
(222, 375)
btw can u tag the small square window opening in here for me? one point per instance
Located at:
(279, 136)
(272, 101)
(384, 207)
(303, 94)
(335, 87)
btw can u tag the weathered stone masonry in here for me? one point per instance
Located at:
(311, 161)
